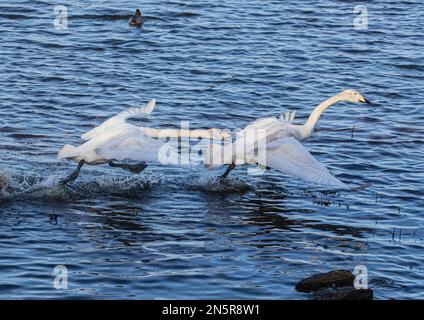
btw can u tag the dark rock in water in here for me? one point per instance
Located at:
(336, 278)
(343, 293)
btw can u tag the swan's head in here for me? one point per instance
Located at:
(353, 96)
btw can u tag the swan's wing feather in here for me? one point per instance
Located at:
(290, 157)
(288, 116)
(120, 118)
(141, 148)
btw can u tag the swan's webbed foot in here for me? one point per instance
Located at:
(230, 167)
(133, 168)
(74, 174)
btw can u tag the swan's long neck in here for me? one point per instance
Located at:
(310, 124)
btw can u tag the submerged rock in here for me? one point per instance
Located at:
(343, 293)
(335, 278)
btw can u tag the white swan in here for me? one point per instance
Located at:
(115, 139)
(274, 143)
(135, 113)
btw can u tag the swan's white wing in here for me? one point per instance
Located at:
(290, 157)
(260, 124)
(272, 128)
(140, 148)
(120, 118)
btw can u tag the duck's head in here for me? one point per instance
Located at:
(351, 95)
(138, 13)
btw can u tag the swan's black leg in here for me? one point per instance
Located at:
(133, 168)
(230, 167)
(74, 174)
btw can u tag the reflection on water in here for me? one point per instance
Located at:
(179, 232)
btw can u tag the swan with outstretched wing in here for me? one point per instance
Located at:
(131, 147)
(116, 140)
(289, 156)
(274, 142)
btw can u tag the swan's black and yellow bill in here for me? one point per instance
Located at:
(366, 101)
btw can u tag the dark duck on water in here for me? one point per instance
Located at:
(136, 20)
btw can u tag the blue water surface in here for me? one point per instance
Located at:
(177, 232)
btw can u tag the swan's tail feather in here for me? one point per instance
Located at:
(216, 155)
(68, 152)
(210, 156)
